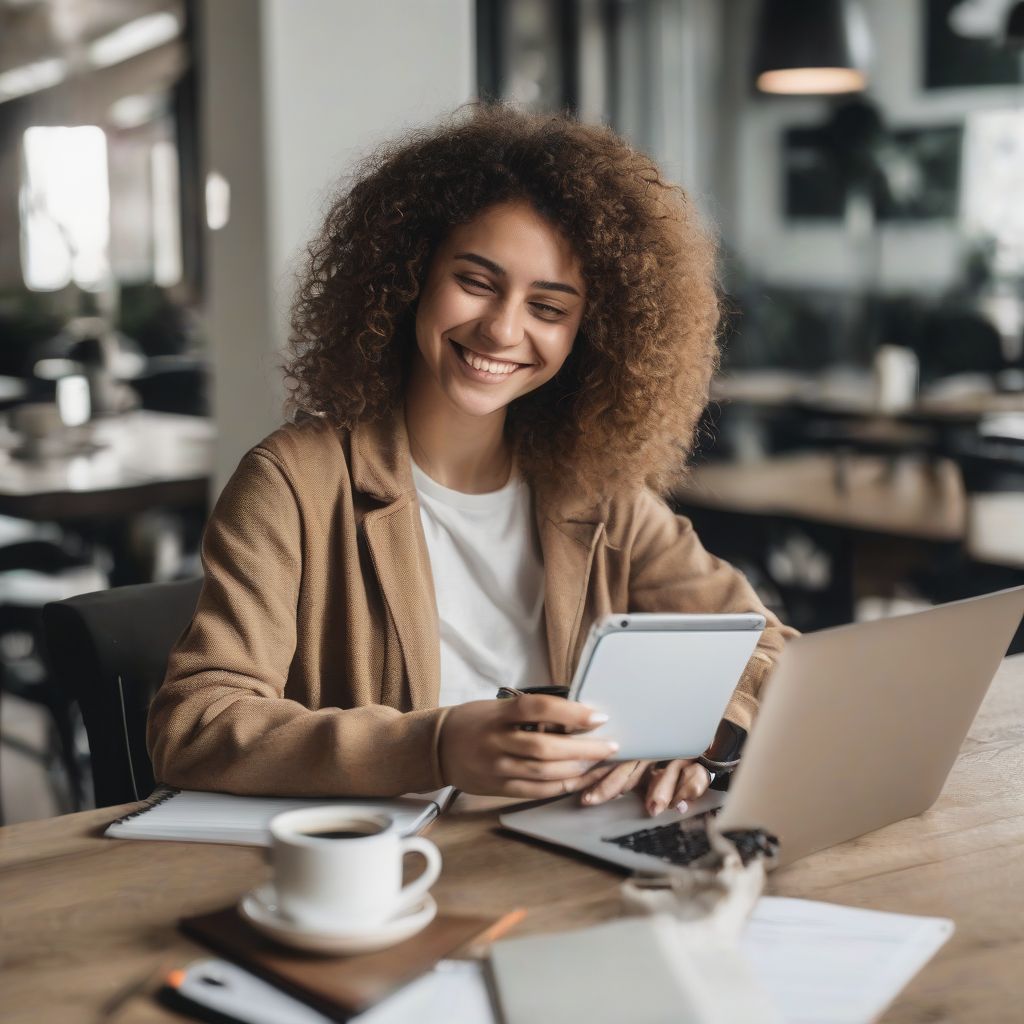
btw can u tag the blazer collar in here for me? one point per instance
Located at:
(380, 464)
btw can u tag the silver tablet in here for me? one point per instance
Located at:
(664, 680)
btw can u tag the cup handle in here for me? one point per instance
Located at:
(414, 890)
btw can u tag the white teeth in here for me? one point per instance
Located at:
(487, 365)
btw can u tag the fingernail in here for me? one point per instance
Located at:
(654, 808)
(588, 798)
(597, 718)
(612, 746)
(682, 806)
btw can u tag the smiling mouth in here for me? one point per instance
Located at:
(493, 367)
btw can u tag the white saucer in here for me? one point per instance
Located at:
(260, 909)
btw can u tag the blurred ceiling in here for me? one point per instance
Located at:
(38, 30)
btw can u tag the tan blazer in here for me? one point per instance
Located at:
(311, 665)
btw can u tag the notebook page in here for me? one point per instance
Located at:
(828, 964)
(191, 816)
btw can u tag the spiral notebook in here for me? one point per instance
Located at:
(185, 815)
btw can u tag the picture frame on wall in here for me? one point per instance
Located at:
(913, 174)
(955, 59)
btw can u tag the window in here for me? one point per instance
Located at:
(65, 208)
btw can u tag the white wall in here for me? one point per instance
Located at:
(312, 86)
(925, 256)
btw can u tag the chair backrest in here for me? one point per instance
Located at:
(108, 651)
(954, 341)
(993, 474)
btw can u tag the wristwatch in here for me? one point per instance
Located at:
(723, 756)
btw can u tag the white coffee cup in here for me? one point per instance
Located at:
(896, 378)
(339, 868)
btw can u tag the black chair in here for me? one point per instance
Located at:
(958, 341)
(38, 565)
(108, 651)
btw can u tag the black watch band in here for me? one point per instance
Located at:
(723, 755)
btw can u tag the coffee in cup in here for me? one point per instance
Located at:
(339, 868)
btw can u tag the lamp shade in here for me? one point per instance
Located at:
(811, 47)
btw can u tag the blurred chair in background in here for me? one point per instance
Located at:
(993, 473)
(959, 343)
(174, 385)
(176, 374)
(992, 555)
(108, 651)
(38, 564)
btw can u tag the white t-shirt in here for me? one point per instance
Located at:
(489, 580)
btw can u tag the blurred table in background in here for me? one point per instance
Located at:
(906, 500)
(780, 409)
(852, 393)
(823, 529)
(811, 480)
(144, 459)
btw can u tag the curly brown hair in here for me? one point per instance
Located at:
(622, 410)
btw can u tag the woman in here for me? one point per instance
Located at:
(501, 345)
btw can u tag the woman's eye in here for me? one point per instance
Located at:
(543, 310)
(550, 312)
(473, 282)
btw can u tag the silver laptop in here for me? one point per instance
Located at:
(859, 727)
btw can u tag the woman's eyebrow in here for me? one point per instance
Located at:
(494, 268)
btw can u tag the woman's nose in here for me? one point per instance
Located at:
(503, 325)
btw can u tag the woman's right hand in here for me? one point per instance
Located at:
(484, 750)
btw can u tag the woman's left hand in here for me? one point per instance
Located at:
(666, 783)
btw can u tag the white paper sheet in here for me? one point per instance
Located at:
(455, 991)
(829, 964)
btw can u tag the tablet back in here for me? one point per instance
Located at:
(664, 689)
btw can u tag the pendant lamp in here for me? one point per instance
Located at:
(811, 47)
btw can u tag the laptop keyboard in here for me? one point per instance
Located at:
(676, 845)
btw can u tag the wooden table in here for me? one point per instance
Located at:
(144, 459)
(853, 395)
(874, 522)
(908, 499)
(84, 919)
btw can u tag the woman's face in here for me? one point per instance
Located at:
(500, 308)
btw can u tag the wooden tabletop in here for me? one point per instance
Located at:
(906, 498)
(141, 459)
(852, 393)
(86, 923)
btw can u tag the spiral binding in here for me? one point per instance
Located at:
(160, 795)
